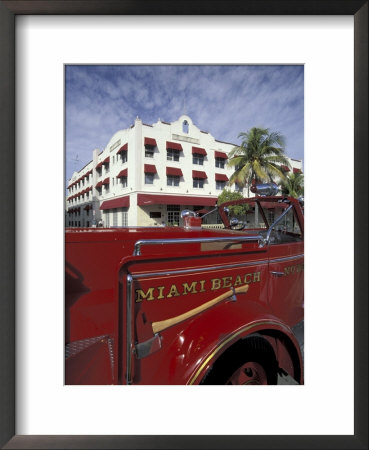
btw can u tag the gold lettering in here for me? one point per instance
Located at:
(202, 283)
(227, 282)
(161, 289)
(247, 278)
(256, 277)
(173, 291)
(238, 281)
(142, 295)
(187, 289)
(215, 284)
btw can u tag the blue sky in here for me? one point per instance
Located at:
(223, 100)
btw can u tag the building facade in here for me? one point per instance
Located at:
(148, 174)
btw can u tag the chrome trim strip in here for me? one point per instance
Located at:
(287, 258)
(129, 328)
(139, 244)
(204, 269)
(208, 269)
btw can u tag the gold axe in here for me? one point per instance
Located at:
(164, 324)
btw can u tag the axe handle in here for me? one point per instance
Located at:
(164, 324)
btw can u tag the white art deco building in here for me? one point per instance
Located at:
(148, 174)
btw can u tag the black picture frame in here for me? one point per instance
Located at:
(8, 11)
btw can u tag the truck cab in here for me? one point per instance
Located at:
(217, 301)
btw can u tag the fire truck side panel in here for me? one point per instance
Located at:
(160, 305)
(190, 348)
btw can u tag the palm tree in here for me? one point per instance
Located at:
(293, 185)
(259, 157)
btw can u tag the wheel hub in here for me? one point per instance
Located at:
(249, 373)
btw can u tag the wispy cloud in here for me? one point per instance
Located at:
(223, 100)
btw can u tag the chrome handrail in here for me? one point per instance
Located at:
(139, 244)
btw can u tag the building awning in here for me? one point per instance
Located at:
(106, 160)
(296, 170)
(199, 151)
(189, 200)
(174, 171)
(221, 177)
(198, 174)
(149, 141)
(98, 166)
(99, 184)
(123, 173)
(106, 181)
(121, 202)
(174, 146)
(285, 168)
(149, 168)
(123, 148)
(221, 155)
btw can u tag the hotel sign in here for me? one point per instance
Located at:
(178, 137)
(115, 145)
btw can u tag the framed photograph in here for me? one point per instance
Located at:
(38, 41)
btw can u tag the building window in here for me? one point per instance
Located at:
(123, 182)
(185, 127)
(172, 155)
(155, 215)
(87, 224)
(220, 163)
(113, 159)
(123, 157)
(198, 182)
(115, 217)
(106, 218)
(173, 214)
(198, 159)
(220, 185)
(106, 190)
(271, 216)
(172, 180)
(149, 178)
(149, 151)
(238, 188)
(125, 217)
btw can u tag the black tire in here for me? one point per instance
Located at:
(248, 361)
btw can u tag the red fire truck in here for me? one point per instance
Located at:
(197, 304)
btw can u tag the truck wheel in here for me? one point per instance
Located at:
(249, 361)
